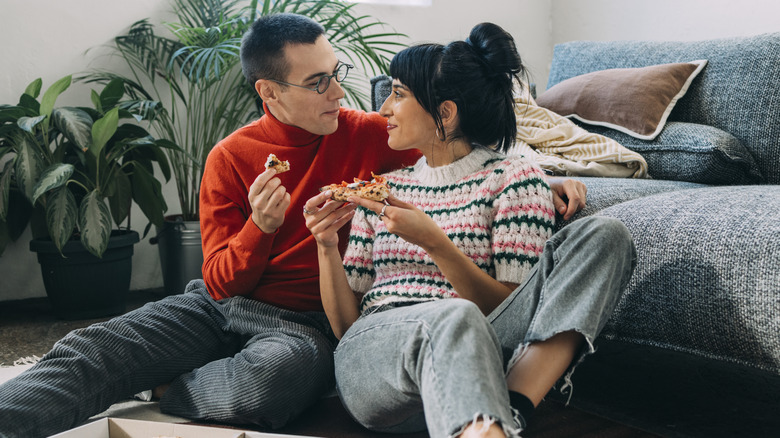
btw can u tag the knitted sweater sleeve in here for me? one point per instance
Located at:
(358, 259)
(523, 222)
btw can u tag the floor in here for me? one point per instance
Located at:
(28, 328)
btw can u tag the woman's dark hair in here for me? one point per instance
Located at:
(477, 74)
(262, 47)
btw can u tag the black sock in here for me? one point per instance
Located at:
(523, 405)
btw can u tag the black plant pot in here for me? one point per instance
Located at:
(181, 253)
(80, 285)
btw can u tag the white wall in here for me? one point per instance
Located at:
(48, 39)
(528, 21)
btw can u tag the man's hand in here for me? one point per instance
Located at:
(325, 217)
(569, 196)
(269, 200)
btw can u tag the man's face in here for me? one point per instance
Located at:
(307, 109)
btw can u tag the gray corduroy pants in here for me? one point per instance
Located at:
(236, 360)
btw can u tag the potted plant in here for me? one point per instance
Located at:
(71, 172)
(196, 74)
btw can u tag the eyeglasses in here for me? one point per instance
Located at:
(324, 81)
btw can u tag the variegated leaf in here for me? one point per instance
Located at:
(76, 124)
(94, 223)
(29, 123)
(5, 189)
(28, 167)
(61, 214)
(55, 176)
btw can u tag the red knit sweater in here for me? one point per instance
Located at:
(281, 268)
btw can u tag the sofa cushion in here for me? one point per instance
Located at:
(694, 153)
(635, 101)
(707, 274)
(737, 92)
(381, 86)
(606, 192)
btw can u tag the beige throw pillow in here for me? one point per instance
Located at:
(636, 101)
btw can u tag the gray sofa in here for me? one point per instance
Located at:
(700, 320)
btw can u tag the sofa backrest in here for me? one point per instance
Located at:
(738, 91)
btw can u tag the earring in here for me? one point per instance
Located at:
(439, 137)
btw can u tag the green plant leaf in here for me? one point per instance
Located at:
(30, 104)
(28, 166)
(50, 96)
(76, 124)
(112, 93)
(95, 98)
(29, 123)
(94, 223)
(10, 114)
(53, 177)
(103, 129)
(61, 214)
(146, 192)
(5, 189)
(121, 198)
(34, 89)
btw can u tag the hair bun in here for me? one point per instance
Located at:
(496, 48)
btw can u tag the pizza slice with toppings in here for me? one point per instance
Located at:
(375, 190)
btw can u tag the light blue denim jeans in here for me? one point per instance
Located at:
(442, 364)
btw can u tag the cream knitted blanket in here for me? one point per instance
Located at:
(559, 145)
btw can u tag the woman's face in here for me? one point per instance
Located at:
(409, 126)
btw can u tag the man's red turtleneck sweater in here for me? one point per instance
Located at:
(281, 268)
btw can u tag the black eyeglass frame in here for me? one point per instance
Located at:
(326, 78)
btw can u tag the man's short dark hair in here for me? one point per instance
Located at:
(262, 47)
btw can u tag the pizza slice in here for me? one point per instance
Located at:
(375, 190)
(274, 163)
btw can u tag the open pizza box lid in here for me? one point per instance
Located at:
(126, 428)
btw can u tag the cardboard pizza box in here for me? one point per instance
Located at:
(126, 428)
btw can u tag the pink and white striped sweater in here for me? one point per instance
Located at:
(498, 210)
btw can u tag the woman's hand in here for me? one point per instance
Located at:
(413, 225)
(569, 196)
(405, 221)
(324, 221)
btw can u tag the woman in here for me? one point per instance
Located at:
(469, 223)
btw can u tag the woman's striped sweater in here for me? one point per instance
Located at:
(498, 210)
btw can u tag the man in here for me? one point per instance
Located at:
(250, 343)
